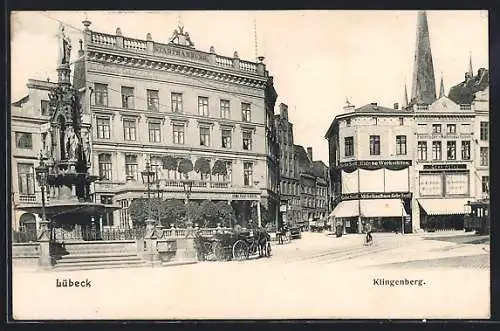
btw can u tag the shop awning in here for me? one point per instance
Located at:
(348, 208)
(382, 208)
(443, 206)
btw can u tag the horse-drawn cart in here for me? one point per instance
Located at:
(232, 245)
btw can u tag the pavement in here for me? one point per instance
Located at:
(418, 276)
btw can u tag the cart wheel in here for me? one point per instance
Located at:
(240, 250)
(218, 251)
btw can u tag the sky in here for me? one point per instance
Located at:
(317, 58)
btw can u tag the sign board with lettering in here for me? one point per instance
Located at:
(431, 184)
(381, 195)
(444, 166)
(376, 163)
(457, 184)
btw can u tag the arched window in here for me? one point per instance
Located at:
(27, 222)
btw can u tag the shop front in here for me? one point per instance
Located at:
(442, 214)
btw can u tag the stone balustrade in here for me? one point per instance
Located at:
(172, 50)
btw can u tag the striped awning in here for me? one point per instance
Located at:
(443, 206)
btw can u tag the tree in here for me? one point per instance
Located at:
(193, 213)
(138, 211)
(169, 163)
(225, 213)
(219, 168)
(185, 167)
(208, 213)
(174, 211)
(202, 165)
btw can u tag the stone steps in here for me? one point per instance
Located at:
(72, 259)
(100, 264)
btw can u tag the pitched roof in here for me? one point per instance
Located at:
(463, 93)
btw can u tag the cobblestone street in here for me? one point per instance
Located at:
(318, 276)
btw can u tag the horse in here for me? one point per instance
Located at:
(263, 242)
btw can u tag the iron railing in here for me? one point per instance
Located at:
(24, 236)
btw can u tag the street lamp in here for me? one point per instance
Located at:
(42, 173)
(148, 177)
(259, 217)
(159, 191)
(187, 186)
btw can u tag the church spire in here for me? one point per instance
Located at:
(470, 72)
(405, 98)
(424, 85)
(441, 87)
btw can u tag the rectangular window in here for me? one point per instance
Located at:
(105, 166)
(246, 114)
(451, 128)
(349, 146)
(101, 94)
(422, 150)
(107, 199)
(436, 128)
(156, 164)
(44, 107)
(401, 121)
(451, 150)
(375, 120)
(465, 150)
(26, 178)
(127, 97)
(436, 150)
(348, 122)
(401, 145)
(153, 100)
(203, 106)
(485, 184)
(176, 102)
(226, 138)
(225, 109)
(484, 156)
(24, 140)
(129, 129)
(178, 134)
(247, 140)
(484, 130)
(204, 136)
(247, 174)
(374, 145)
(154, 132)
(131, 166)
(107, 219)
(103, 128)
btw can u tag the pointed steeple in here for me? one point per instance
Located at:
(405, 98)
(441, 87)
(470, 72)
(424, 84)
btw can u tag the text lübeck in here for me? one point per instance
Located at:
(71, 283)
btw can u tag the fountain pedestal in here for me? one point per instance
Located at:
(151, 240)
(45, 259)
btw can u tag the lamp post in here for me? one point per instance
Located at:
(42, 172)
(187, 186)
(402, 217)
(159, 191)
(148, 177)
(259, 218)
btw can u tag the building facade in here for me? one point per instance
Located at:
(289, 183)
(432, 154)
(162, 103)
(28, 116)
(313, 186)
(371, 157)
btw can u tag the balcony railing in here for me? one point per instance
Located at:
(465, 107)
(160, 49)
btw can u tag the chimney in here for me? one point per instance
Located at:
(396, 105)
(310, 153)
(284, 111)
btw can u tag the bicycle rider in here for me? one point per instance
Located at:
(368, 230)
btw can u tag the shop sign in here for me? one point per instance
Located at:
(444, 166)
(376, 163)
(385, 195)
